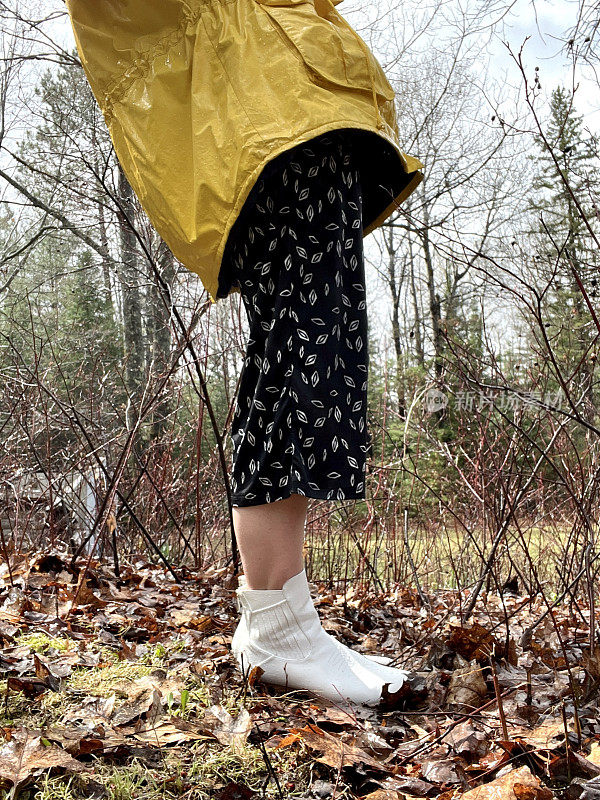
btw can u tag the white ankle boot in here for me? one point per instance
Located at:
(280, 631)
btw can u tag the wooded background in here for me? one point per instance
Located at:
(118, 375)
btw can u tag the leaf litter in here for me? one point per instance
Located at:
(134, 673)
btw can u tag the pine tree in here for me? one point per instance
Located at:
(566, 167)
(565, 150)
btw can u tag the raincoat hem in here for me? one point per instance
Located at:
(396, 202)
(306, 136)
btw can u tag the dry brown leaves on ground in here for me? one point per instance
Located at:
(98, 670)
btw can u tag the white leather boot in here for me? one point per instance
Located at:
(392, 674)
(281, 632)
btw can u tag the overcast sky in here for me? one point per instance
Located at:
(545, 22)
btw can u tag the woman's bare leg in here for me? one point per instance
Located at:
(270, 538)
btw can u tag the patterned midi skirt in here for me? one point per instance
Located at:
(296, 252)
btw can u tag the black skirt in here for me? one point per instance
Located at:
(296, 252)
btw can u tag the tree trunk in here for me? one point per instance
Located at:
(129, 278)
(435, 303)
(417, 329)
(106, 259)
(395, 291)
(159, 334)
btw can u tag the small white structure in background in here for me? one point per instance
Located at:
(75, 498)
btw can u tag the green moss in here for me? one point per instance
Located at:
(105, 680)
(57, 788)
(39, 642)
(160, 653)
(192, 771)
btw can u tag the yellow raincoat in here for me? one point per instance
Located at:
(199, 95)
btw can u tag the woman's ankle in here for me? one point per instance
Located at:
(274, 579)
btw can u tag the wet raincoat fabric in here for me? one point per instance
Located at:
(199, 95)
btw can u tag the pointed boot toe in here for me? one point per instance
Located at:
(281, 632)
(387, 674)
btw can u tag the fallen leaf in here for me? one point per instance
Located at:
(475, 642)
(31, 687)
(44, 673)
(163, 733)
(444, 771)
(409, 787)
(547, 735)
(334, 750)
(24, 755)
(410, 694)
(502, 788)
(591, 790)
(467, 688)
(575, 766)
(467, 741)
(591, 662)
(526, 792)
(146, 697)
(594, 754)
(229, 731)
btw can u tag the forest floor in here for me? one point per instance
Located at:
(127, 689)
